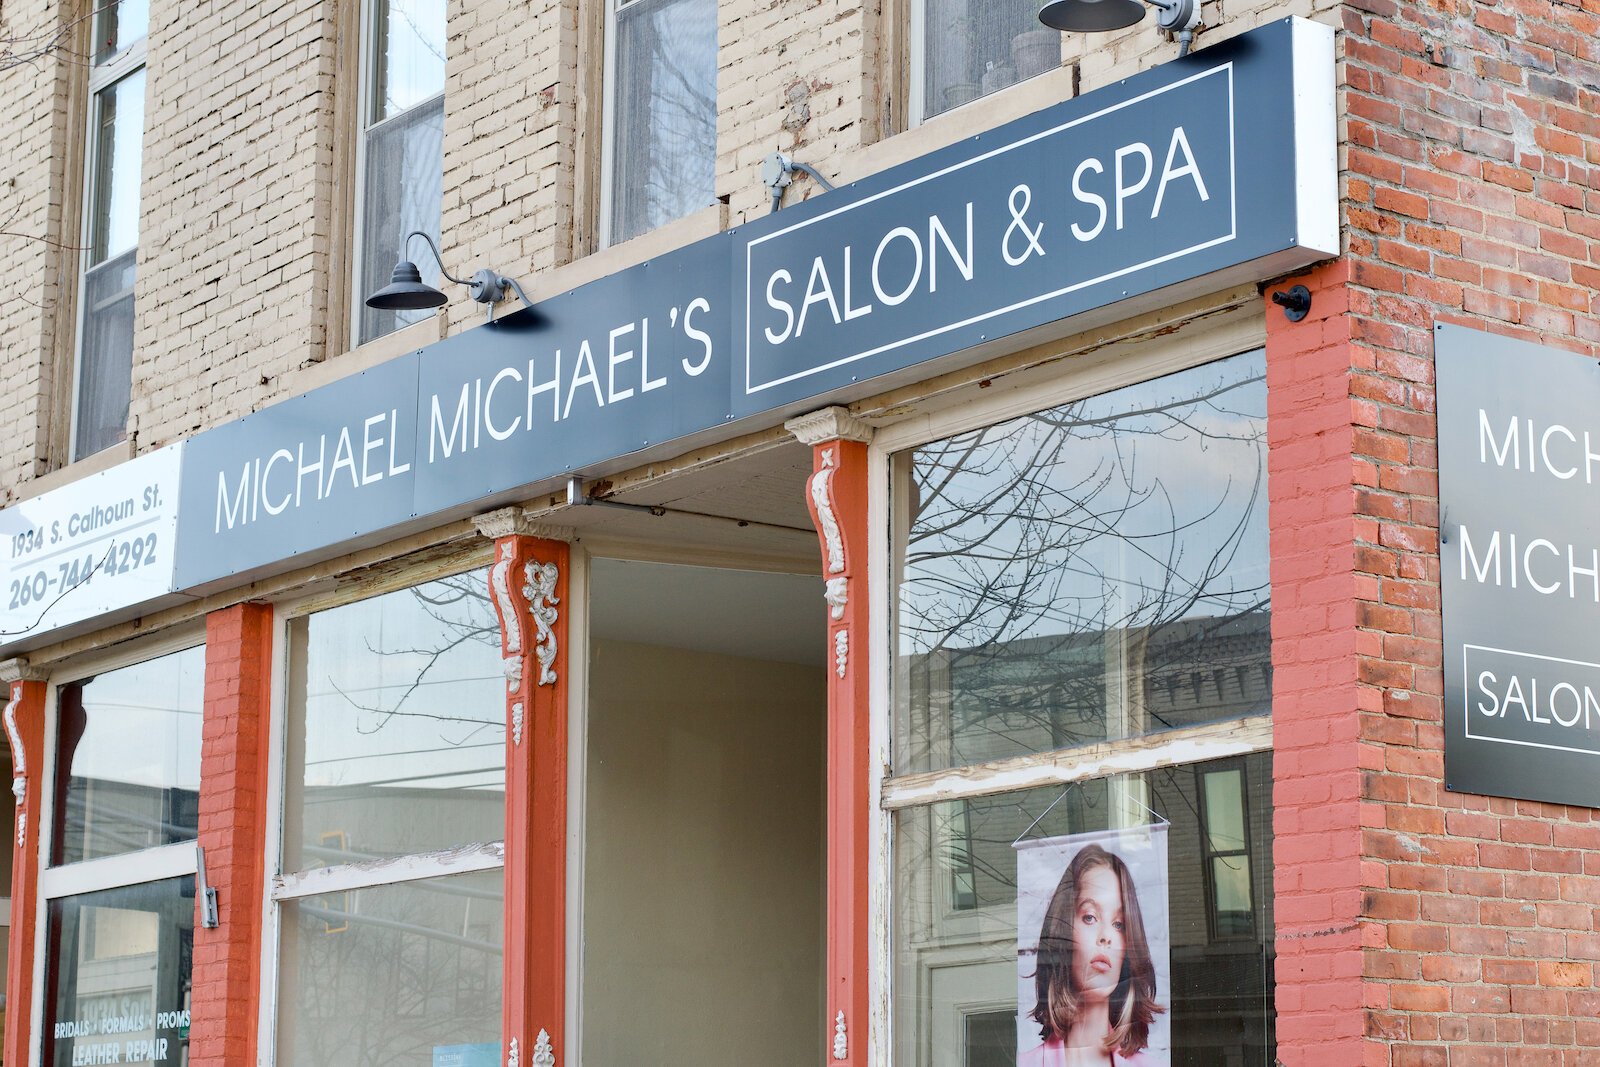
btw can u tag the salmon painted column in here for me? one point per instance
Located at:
(1312, 480)
(235, 740)
(24, 719)
(837, 493)
(528, 586)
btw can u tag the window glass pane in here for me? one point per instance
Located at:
(404, 169)
(396, 726)
(1231, 883)
(665, 113)
(1225, 811)
(1090, 572)
(957, 961)
(105, 361)
(118, 975)
(128, 749)
(971, 49)
(408, 43)
(117, 24)
(119, 134)
(403, 975)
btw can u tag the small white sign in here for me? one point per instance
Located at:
(98, 545)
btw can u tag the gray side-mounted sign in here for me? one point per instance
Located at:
(1519, 556)
(1208, 170)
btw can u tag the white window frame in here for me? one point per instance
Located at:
(108, 872)
(367, 66)
(1128, 362)
(283, 887)
(102, 76)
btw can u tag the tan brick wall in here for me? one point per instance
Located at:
(236, 204)
(33, 199)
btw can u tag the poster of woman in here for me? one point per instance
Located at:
(1093, 951)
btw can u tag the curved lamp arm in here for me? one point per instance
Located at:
(405, 246)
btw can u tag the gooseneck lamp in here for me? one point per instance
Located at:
(1175, 17)
(407, 291)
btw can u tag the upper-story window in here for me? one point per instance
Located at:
(104, 373)
(963, 49)
(661, 148)
(401, 150)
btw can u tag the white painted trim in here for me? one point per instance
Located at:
(272, 862)
(90, 876)
(358, 228)
(690, 554)
(577, 775)
(1316, 151)
(880, 866)
(349, 876)
(1192, 744)
(916, 60)
(608, 126)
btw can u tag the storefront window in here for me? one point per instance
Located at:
(395, 782)
(397, 726)
(1088, 573)
(128, 758)
(967, 962)
(120, 930)
(1072, 585)
(119, 973)
(398, 975)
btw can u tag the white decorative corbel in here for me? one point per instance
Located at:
(500, 590)
(513, 1056)
(540, 589)
(19, 763)
(829, 424)
(841, 650)
(822, 498)
(837, 595)
(13, 672)
(543, 1055)
(516, 722)
(841, 1047)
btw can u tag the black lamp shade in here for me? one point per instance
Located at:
(1090, 16)
(406, 291)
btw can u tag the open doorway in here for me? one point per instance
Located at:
(704, 899)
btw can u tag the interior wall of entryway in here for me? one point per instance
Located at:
(704, 889)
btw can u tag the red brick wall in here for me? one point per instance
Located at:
(233, 813)
(1316, 696)
(1472, 195)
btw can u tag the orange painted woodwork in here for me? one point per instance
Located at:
(528, 586)
(24, 721)
(837, 496)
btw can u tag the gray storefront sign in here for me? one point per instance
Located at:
(1214, 169)
(1519, 499)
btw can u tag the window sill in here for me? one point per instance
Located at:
(959, 123)
(364, 357)
(102, 460)
(674, 235)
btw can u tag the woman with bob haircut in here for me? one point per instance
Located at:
(1094, 978)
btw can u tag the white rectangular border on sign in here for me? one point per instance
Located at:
(1225, 69)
